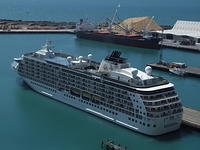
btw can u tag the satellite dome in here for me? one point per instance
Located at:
(148, 70)
(69, 58)
(80, 57)
(89, 56)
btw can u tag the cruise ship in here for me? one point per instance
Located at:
(110, 89)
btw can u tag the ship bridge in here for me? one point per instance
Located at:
(119, 69)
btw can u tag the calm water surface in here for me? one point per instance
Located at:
(32, 121)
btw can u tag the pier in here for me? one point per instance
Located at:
(191, 118)
(189, 71)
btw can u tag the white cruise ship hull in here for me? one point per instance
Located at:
(162, 125)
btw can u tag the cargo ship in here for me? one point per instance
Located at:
(135, 32)
(135, 40)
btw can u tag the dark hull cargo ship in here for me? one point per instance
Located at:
(129, 40)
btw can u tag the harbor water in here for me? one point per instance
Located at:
(32, 121)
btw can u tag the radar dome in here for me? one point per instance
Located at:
(80, 57)
(69, 59)
(134, 73)
(148, 70)
(89, 56)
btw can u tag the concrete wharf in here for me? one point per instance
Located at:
(191, 118)
(19, 26)
(177, 45)
(69, 31)
(189, 71)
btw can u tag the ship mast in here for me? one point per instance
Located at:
(48, 45)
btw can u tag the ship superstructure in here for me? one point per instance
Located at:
(112, 89)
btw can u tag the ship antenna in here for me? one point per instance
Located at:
(48, 45)
(113, 18)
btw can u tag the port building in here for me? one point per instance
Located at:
(183, 32)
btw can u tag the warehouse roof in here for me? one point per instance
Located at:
(187, 28)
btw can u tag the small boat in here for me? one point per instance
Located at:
(178, 71)
(109, 145)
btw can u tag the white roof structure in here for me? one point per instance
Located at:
(128, 72)
(187, 28)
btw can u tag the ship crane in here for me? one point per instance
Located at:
(125, 29)
(113, 18)
(146, 28)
